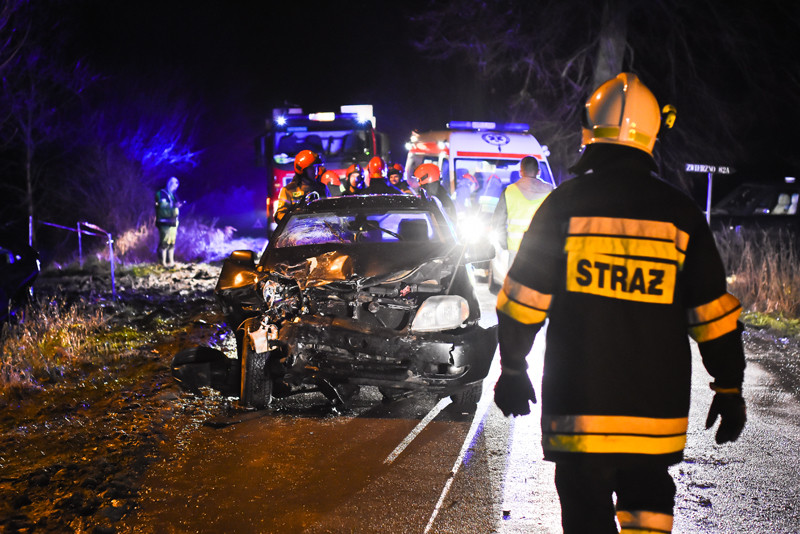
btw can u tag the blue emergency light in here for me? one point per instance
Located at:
(494, 126)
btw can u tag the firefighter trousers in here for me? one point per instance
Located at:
(645, 498)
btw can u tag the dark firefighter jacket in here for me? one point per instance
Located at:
(295, 191)
(381, 186)
(624, 266)
(436, 189)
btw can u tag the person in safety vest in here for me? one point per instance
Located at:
(354, 180)
(623, 266)
(517, 205)
(428, 175)
(332, 181)
(306, 170)
(167, 211)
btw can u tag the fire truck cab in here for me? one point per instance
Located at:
(341, 139)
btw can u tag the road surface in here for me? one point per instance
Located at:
(422, 465)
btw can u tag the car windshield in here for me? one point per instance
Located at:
(387, 226)
(487, 172)
(330, 144)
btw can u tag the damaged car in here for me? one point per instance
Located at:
(356, 291)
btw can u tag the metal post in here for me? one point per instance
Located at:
(111, 261)
(708, 198)
(80, 246)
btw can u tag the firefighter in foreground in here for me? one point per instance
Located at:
(624, 266)
(307, 165)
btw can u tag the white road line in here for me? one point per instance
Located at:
(480, 413)
(417, 429)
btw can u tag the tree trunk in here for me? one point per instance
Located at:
(612, 42)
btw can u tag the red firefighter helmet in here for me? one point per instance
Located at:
(305, 159)
(399, 167)
(377, 167)
(330, 178)
(427, 173)
(355, 167)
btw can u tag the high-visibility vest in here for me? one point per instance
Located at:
(520, 212)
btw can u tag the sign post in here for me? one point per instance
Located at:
(710, 170)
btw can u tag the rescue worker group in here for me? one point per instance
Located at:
(624, 269)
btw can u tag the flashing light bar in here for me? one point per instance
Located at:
(478, 125)
(325, 116)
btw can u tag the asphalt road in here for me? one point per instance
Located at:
(420, 465)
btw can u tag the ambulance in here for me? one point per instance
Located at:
(478, 160)
(487, 151)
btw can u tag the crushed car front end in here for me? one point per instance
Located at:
(373, 292)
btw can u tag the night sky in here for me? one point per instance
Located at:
(240, 59)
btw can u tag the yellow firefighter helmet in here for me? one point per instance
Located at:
(622, 111)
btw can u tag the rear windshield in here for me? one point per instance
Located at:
(361, 227)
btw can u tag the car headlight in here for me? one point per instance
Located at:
(471, 228)
(443, 312)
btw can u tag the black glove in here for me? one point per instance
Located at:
(731, 409)
(512, 393)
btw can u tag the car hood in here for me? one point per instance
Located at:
(314, 267)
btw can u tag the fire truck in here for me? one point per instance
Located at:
(341, 139)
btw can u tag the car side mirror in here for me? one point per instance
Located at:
(238, 270)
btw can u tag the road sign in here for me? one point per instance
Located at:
(709, 170)
(715, 169)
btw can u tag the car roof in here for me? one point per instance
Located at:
(369, 202)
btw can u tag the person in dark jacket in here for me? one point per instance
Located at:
(395, 177)
(625, 268)
(354, 180)
(428, 175)
(378, 180)
(306, 168)
(167, 211)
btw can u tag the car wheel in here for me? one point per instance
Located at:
(256, 390)
(469, 396)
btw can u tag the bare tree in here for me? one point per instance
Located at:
(547, 56)
(136, 138)
(12, 35)
(36, 95)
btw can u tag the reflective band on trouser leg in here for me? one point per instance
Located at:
(613, 434)
(714, 319)
(644, 522)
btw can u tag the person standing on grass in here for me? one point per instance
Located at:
(167, 211)
(623, 266)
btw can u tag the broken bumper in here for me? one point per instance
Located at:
(346, 351)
